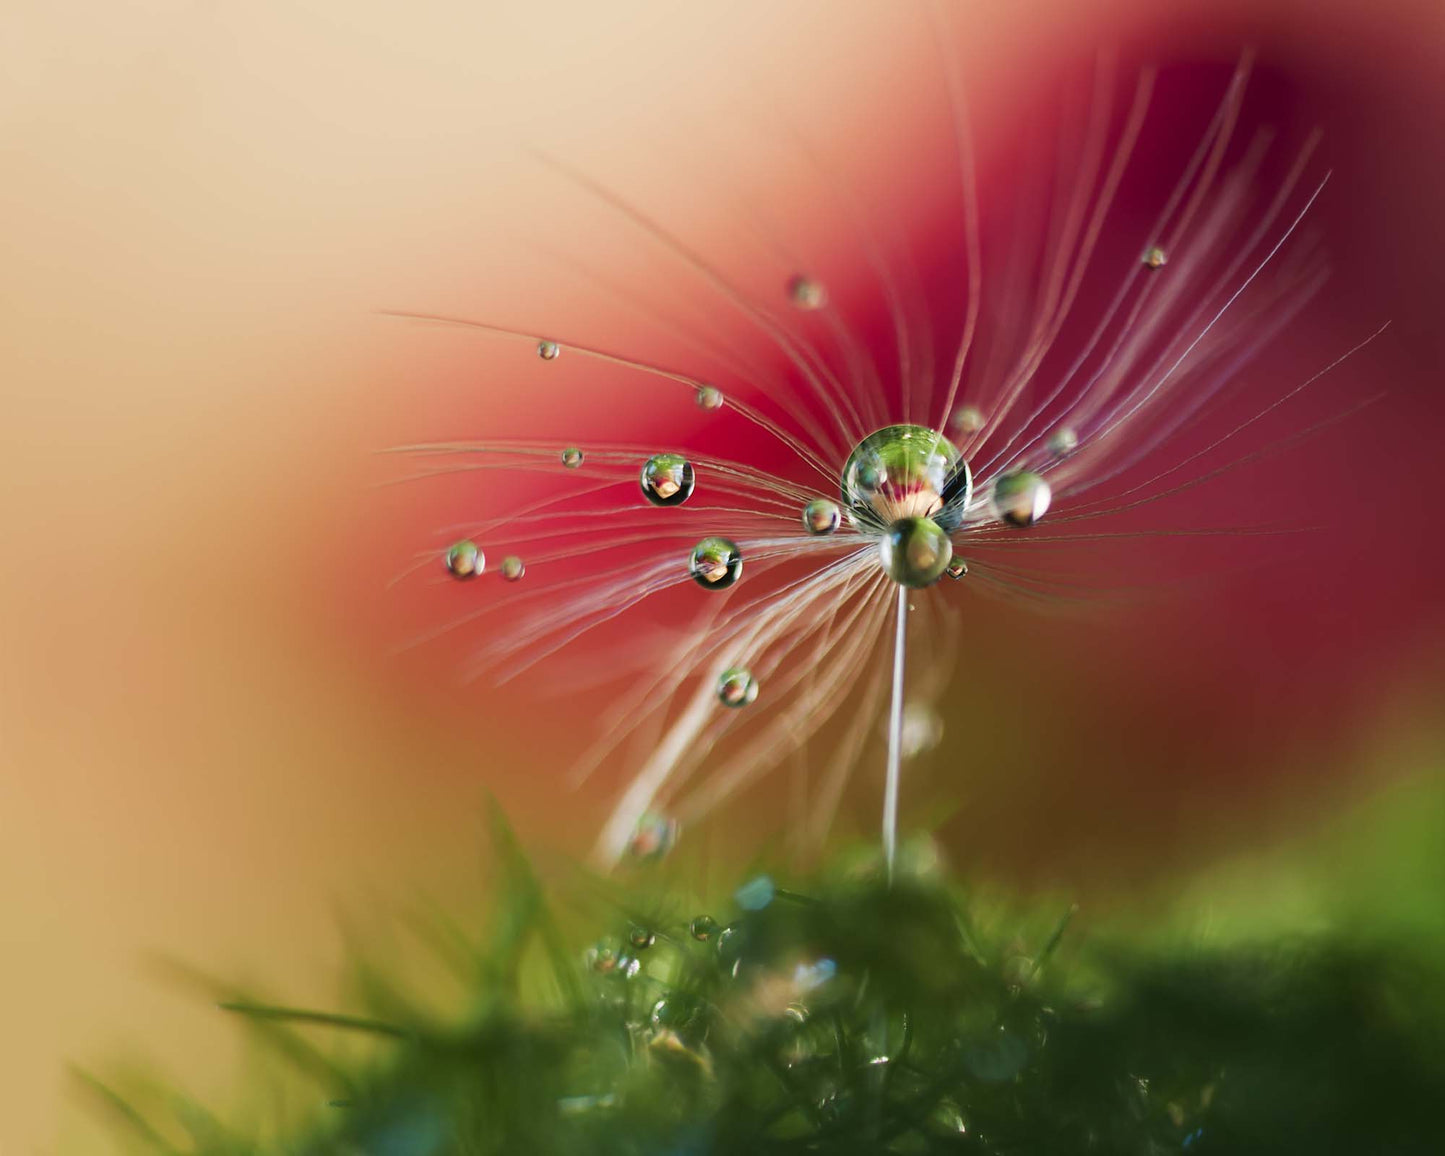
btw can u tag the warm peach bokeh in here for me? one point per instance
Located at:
(203, 737)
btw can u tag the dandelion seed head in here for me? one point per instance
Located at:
(1082, 368)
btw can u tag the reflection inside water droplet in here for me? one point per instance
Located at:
(715, 563)
(806, 293)
(914, 552)
(464, 560)
(1021, 498)
(821, 516)
(667, 479)
(737, 687)
(905, 471)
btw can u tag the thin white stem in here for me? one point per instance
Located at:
(895, 734)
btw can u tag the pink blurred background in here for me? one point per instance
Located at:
(206, 737)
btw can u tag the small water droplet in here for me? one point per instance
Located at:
(709, 397)
(806, 293)
(548, 350)
(641, 937)
(676, 1012)
(628, 966)
(915, 552)
(703, 928)
(1155, 257)
(715, 563)
(730, 946)
(571, 457)
(755, 894)
(922, 729)
(967, 419)
(737, 687)
(512, 568)
(1021, 498)
(667, 479)
(821, 516)
(653, 837)
(464, 560)
(1063, 441)
(956, 568)
(603, 956)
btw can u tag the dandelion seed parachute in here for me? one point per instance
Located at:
(1068, 378)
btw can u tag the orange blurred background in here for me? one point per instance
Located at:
(205, 740)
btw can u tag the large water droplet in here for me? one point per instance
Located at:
(905, 471)
(703, 928)
(464, 560)
(512, 568)
(715, 563)
(1021, 498)
(709, 397)
(548, 350)
(806, 293)
(1155, 257)
(571, 457)
(667, 479)
(821, 516)
(1063, 441)
(915, 552)
(737, 687)
(653, 837)
(967, 419)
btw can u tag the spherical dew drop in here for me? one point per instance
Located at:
(464, 560)
(821, 516)
(1021, 498)
(667, 479)
(737, 687)
(915, 552)
(715, 563)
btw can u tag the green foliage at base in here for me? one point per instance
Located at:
(852, 1015)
